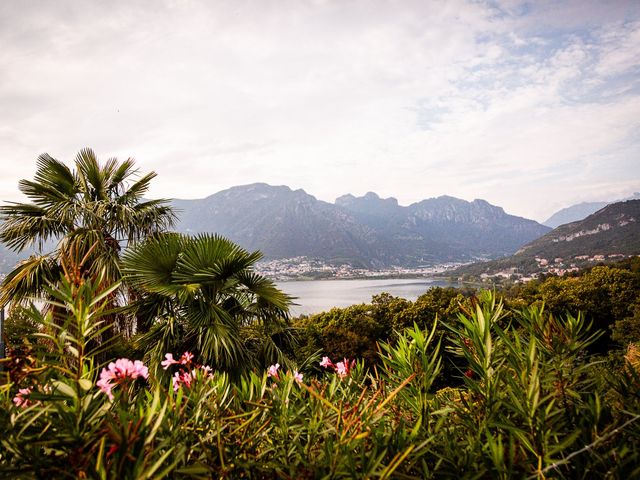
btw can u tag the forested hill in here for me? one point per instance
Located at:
(368, 230)
(610, 233)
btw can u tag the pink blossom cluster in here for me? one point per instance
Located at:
(186, 374)
(272, 371)
(121, 371)
(22, 398)
(343, 368)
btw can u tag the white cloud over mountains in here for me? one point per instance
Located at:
(532, 106)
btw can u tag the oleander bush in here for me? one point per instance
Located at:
(531, 401)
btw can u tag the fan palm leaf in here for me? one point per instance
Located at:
(206, 284)
(93, 211)
(31, 275)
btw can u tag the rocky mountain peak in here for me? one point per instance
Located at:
(285, 223)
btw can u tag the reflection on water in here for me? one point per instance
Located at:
(320, 295)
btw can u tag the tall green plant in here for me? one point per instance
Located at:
(63, 413)
(91, 212)
(201, 294)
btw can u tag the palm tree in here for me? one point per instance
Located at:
(201, 294)
(90, 213)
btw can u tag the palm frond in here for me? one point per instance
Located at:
(93, 178)
(150, 266)
(209, 282)
(267, 295)
(121, 173)
(212, 259)
(29, 279)
(53, 182)
(27, 224)
(143, 219)
(135, 192)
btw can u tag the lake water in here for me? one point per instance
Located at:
(315, 296)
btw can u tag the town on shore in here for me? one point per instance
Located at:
(304, 268)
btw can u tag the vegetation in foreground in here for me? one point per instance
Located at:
(531, 402)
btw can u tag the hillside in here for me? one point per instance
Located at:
(443, 228)
(368, 230)
(573, 213)
(580, 211)
(282, 223)
(611, 233)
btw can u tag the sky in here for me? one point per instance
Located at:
(532, 106)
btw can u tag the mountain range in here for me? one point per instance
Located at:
(611, 232)
(371, 232)
(366, 231)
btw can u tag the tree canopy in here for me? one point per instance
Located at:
(201, 294)
(79, 220)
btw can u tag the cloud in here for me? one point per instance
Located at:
(507, 101)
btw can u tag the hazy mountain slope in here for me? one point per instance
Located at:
(612, 230)
(443, 227)
(281, 223)
(477, 226)
(579, 211)
(573, 213)
(368, 231)
(9, 259)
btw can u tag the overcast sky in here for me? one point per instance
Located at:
(532, 106)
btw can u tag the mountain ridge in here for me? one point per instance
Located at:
(580, 211)
(365, 232)
(611, 232)
(368, 230)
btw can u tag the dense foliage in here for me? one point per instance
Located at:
(531, 402)
(607, 296)
(81, 217)
(201, 294)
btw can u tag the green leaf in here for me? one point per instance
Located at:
(64, 389)
(85, 384)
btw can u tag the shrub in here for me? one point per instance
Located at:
(529, 405)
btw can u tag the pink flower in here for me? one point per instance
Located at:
(125, 368)
(297, 376)
(182, 378)
(273, 370)
(187, 373)
(120, 371)
(140, 370)
(168, 362)
(326, 362)
(343, 368)
(177, 380)
(21, 399)
(105, 385)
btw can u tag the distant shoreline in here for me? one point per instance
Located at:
(303, 278)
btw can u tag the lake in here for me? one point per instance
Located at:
(316, 296)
